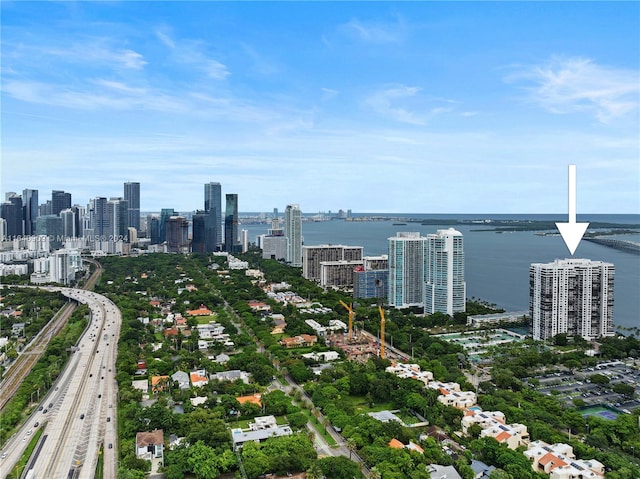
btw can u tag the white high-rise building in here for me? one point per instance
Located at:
(572, 296)
(293, 233)
(407, 252)
(445, 286)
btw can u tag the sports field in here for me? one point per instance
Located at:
(600, 411)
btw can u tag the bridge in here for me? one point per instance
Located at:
(622, 245)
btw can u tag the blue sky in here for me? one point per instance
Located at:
(425, 107)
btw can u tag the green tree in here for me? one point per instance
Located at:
(202, 461)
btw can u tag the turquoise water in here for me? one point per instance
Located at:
(496, 265)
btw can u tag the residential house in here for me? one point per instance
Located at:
(150, 445)
(442, 472)
(201, 311)
(199, 378)
(258, 306)
(232, 375)
(260, 430)
(182, 379)
(323, 356)
(158, 383)
(299, 341)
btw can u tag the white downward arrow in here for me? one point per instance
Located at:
(572, 232)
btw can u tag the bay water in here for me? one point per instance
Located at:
(496, 264)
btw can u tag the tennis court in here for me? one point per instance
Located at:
(600, 411)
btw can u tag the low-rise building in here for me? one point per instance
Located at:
(150, 445)
(199, 378)
(232, 375)
(181, 378)
(324, 356)
(413, 371)
(559, 461)
(299, 341)
(260, 430)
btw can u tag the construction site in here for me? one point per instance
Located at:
(359, 345)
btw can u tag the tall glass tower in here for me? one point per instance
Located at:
(132, 197)
(293, 233)
(445, 287)
(231, 223)
(407, 252)
(30, 206)
(213, 202)
(60, 200)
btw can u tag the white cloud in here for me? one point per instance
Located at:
(405, 104)
(166, 39)
(376, 32)
(329, 93)
(569, 85)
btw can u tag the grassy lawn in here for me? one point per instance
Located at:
(99, 474)
(319, 427)
(361, 405)
(206, 319)
(17, 471)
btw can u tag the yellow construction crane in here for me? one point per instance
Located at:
(351, 316)
(382, 321)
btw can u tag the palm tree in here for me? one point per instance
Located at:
(314, 472)
(351, 445)
(375, 473)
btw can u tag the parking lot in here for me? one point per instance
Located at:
(567, 386)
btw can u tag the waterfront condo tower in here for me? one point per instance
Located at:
(572, 296)
(407, 252)
(445, 287)
(293, 233)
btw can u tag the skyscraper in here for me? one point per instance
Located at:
(60, 200)
(165, 214)
(177, 234)
(132, 197)
(30, 207)
(445, 288)
(231, 223)
(205, 232)
(118, 211)
(11, 211)
(293, 233)
(572, 296)
(213, 202)
(68, 223)
(99, 223)
(407, 251)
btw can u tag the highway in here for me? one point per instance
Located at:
(78, 414)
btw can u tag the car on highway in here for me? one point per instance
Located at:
(81, 416)
(36, 424)
(5, 454)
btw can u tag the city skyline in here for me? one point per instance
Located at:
(466, 107)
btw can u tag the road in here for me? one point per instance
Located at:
(78, 414)
(24, 363)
